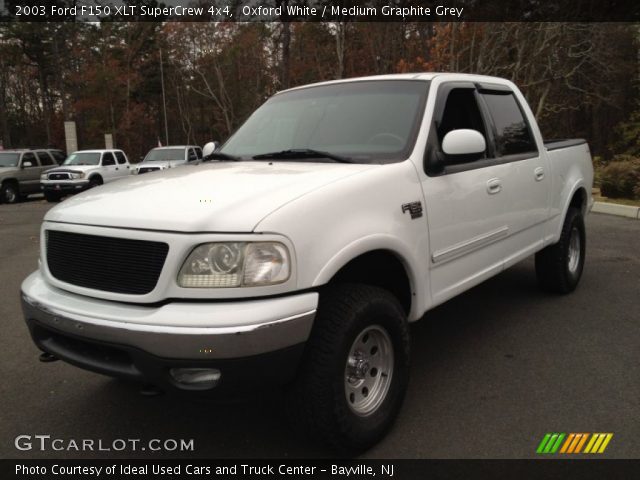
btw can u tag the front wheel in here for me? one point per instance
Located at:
(52, 196)
(355, 368)
(95, 181)
(9, 193)
(559, 266)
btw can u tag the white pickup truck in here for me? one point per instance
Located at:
(82, 170)
(299, 251)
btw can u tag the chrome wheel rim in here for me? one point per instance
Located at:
(9, 195)
(574, 250)
(369, 369)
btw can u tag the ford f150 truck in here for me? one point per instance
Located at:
(298, 252)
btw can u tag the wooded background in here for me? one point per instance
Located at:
(581, 79)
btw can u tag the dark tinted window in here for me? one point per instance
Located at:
(58, 155)
(199, 152)
(29, 157)
(45, 159)
(107, 159)
(512, 132)
(192, 155)
(120, 157)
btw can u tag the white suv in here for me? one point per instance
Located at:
(82, 170)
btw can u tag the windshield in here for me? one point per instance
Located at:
(9, 159)
(83, 158)
(367, 121)
(165, 154)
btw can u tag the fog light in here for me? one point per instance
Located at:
(196, 377)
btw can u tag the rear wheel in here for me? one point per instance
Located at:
(559, 266)
(9, 193)
(355, 368)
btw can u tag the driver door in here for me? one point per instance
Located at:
(466, 202)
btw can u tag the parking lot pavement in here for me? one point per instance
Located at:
(493, 371)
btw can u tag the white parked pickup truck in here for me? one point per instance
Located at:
(161, 158)
(298, 252)
(82, 170)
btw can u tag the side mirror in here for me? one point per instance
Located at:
(463, 142)
(27, 164)
(209, 148)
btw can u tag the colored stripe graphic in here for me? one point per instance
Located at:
(573, 443)
(550, 443)
(567, 443)
(581, 442)
(598, 442)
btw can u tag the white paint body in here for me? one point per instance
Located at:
(327, 214)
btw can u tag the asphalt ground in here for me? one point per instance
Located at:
(493, 371)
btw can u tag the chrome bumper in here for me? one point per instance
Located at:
(176, 330)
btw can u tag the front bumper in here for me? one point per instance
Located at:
(64, 186)
(244, 340)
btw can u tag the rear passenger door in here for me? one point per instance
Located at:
(46, 162)
(122, 166)
(467, 206)
(109, 167)
(528, 180)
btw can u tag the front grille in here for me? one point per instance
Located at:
(147, 169)
(59, 176)
(111, 264)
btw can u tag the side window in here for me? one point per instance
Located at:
(107, 159)
(461, 111)
(58, 156)
(512, 133)
(45, 159)
(192, 155)
(29, 157)
(121, 158)
(198, 152)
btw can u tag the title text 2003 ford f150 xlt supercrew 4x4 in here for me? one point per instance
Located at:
(298, 251)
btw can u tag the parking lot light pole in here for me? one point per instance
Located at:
(164, 102)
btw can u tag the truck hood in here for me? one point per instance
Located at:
(209, 197)
(72, 168)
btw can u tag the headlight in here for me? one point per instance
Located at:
(77, 175)
(235, 264)
(43, 176)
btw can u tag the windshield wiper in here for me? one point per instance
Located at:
(219, 156)
(302, 153)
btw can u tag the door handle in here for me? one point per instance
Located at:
(117, 168)
(494, 186)
(539, 173)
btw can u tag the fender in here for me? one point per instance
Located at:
(557, 230)
(380, 242)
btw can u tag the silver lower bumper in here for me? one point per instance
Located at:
(179, 330)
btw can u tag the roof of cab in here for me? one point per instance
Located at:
(425, 76)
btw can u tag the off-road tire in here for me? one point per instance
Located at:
(317, 400)
(555, 269)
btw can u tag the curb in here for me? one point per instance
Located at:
(616, 209)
